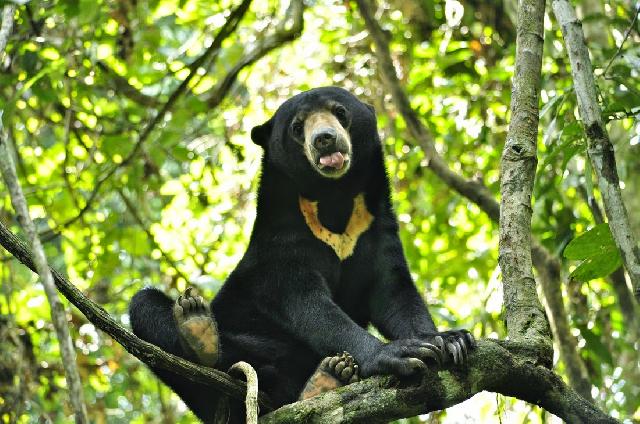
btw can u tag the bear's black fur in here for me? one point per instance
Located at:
(292, 301)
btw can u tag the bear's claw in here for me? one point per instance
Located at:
(454, 344)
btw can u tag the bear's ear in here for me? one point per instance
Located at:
(261, 134)
(371, 108)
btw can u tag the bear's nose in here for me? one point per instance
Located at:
(325, 139)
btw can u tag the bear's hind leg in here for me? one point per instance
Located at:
(333, 372)
(153, 319)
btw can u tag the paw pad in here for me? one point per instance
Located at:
(198, 331)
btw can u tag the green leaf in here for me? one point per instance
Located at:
(596, 241)
(569, 143)
(50, 67)
(597, 267)
(598, 252)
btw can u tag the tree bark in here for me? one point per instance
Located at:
(599, 147)
(524, 314)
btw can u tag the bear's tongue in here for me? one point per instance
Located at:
(334, 160)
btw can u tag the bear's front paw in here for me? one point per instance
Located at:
(402, 358)
(197, 328)
(454, 344)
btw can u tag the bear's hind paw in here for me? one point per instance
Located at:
(333, 372)
(197, 328)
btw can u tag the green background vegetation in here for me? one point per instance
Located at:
(82, 78)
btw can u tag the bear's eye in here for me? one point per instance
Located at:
(296, 128)
(341, 113)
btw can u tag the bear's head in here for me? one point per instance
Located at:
(324, 134)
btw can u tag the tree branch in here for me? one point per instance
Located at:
(599, 147)
(121, 85)
(6, 26)
(225, 31)
(624, 40)
(146, 352)
(472, 190)
(287, 30)
(495, 366)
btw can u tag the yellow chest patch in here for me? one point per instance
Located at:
(345, 243)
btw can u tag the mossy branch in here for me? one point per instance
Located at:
(496, 366)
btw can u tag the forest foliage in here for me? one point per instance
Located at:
(133, 149)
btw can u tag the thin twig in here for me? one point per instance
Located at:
(136, 216)
(285, 31)
(626, 35)
(121, 84)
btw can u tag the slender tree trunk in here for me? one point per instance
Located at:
(599, 146)
(567, 344)
(58, 312)
(524, 314)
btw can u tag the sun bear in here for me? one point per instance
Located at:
(324, 261)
